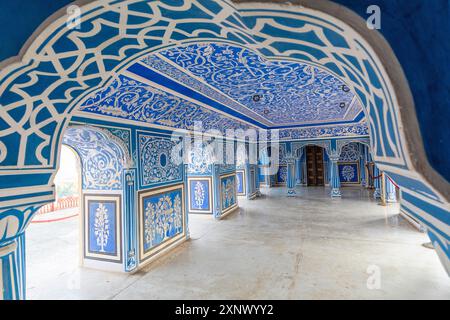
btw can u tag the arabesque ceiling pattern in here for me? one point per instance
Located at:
(235, 86)
(282, 92)
(132, 99)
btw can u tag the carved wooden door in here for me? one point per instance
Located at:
(315, 167)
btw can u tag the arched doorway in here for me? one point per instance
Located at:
(103, 159)
(54, 237)
(84, 226)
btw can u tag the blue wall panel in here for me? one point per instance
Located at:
(240, 183)
(102, 225)
(349, 172)
(200, 194)
(228, 196)
(161, 218)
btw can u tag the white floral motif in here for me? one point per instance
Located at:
(228, 193)
(102, 159)
(348, 173)
(296, 92)
(177, 212)
(200, 159)
(283, 174)
(101, 226)
(162, 220)
(199, 195)
(152, 150)
(357, 129)
(131, 99)
(350, 152)
(149, 224)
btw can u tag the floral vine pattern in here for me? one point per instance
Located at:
(163, 218)
(282, 153)
(156, 161)
(350, 152)
(358, 129)
(282, 174)
(199, 195)
(228, 192)
(131, 99)
(348, 173)
(102, 159)
(121, 134)
(200, 159)
(293, 92)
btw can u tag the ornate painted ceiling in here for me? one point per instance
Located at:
(281, 92)
(227, 86)
(129, 98)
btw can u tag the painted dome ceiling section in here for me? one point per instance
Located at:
(138, 99)
(274, 93)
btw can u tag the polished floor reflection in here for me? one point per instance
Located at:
(275, 247)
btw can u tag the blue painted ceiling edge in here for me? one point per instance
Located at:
(416, 30)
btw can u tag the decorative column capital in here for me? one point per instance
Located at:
(7, 249)
(290, 158)
(14, 221)
(334, 156)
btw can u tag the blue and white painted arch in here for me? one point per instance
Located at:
(103, 156)
(62, 67)
(287, 35)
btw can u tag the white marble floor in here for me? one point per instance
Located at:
(308, 247)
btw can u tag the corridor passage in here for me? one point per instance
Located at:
(274, 247)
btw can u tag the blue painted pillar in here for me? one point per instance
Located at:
(326, 169)
(216, 190)
(298, 172)
(12, 250)
(130, 219)
(366, 161)
(186, 202)
(335, 180)
(257, 182)
(290, 183)
(12, 269)
(362, 164)
(248, 185)
(377, 183)
(391, 194)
